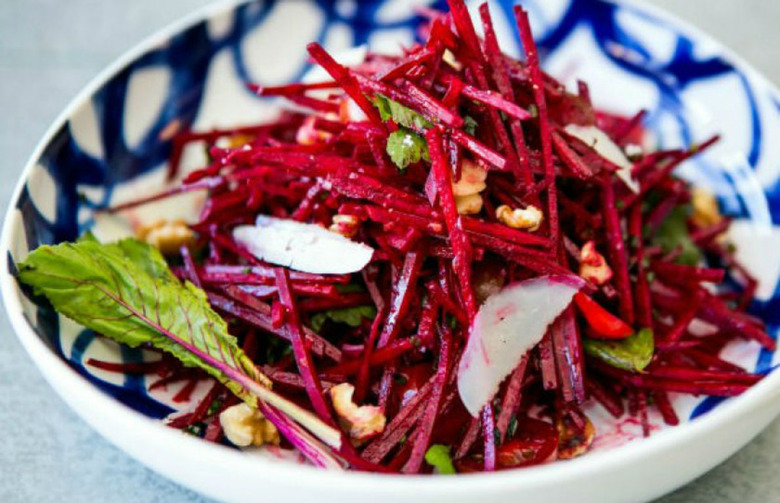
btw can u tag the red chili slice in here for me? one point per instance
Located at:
(536, 442)
(603, 323)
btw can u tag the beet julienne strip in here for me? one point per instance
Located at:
(378, 357)
(314, 103)
(427, 327)
(210, 183)
(190, 269)
(363, 187)
(705, 235)
(547, 363)
(654, 178)
(342, 301)
(129, 368)
(720, 387)
(629, 126)
(291, 379)
(643, 304)
(659, 214)
(642, 405)
(300, 350)
(231, 274)
(176, 376)
(685, 273)
(186, 137)
(469, 438)
(479, 149)
(570, 158)
(401, 297)
(458, 239)
(665, 407)
(569, 357)
(447, 303)
(452, 96)
(532, 57)
(497, 61)
(697, 374)
(505, 241)
(617, 251)
(511, 399)
(431, 414)
(439, 112)
(681, 324)
(500, 134)
(715, 311)
(712, 362)
(290, 89)
(185, 393)
(609, 400)
(345, 80)
(489, 438)
(262, 319)
(408, 63)
(361, 386)
(403, 421)
(496, 101)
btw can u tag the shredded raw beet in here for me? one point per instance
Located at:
(380, 160)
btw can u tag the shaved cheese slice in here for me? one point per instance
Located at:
(302, 247)
(507, 326)
(598, 140)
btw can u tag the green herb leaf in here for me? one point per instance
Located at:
(632, 354)
(470, 125)
(126, 292)
(352, 316)
(512, 428)
(673, 233)
(401, 114)
(438, 456)
(406, 147)
(350, 288)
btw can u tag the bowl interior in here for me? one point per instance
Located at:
(115, 142)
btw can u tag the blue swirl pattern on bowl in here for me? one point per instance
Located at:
(678, 72)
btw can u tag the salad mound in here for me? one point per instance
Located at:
(434, 262)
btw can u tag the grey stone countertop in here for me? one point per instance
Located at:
(49, 49)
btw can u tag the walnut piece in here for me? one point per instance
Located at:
(245, 426)
(705, 208)
(346, 225)
(361, 422)
(529, 219)
(309, 135)
(593, 266)
(472, 179)
(468, 205)
(573, 441)
(166, 236)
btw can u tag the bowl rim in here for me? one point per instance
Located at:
(480, 484)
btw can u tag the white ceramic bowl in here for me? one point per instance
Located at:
(113, 138)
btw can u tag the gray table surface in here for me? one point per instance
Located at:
(49, 49)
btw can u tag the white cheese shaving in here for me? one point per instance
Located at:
(603, 145)
(507, 326)
(302, 247)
